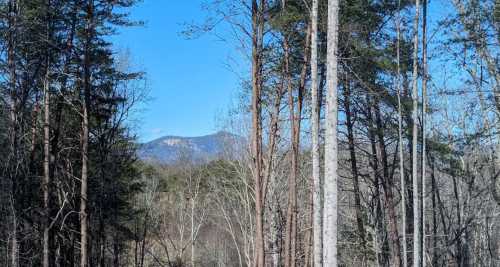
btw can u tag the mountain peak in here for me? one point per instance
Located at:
(169, 149)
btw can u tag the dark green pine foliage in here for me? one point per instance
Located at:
(52, 34)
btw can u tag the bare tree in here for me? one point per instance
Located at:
(46, 148)
(414, 95)
(259, 186)
(85, 133)
(400, 136)
(424, 103)
(295, 116)
(46, 167)
(315, 125)
(330, 229)
(11, 64)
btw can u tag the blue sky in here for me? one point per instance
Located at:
(189, 81)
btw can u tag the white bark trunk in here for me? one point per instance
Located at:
(424, 102)
(330, 201)
(416, 211)
(400, 136)
(46, 170)
(317, 204)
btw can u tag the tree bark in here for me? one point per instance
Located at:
(46, 170)
(11, 64)
(416, 205)
(315, 127)
(291, 217)
(424, 103)
(331, 147)
(400, 137)
(257, 38)
(85, 137)
(295, 113)
(46, 152)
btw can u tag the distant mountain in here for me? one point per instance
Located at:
(170, 149)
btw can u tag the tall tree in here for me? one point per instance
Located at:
(424, 103)
(400, 135)
(12, 17)
(46, 148)
(414, 95)
(257, 10)
(89, 32)
(315, 127)
(330, 213)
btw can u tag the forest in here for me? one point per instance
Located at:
(365, 133)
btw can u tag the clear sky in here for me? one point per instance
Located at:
(189, 81)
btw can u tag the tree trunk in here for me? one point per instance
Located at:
(424, 103)
(400, 138)
(434, 218)
(46, 152)
(295, 114)
(193, 248)
(257, 38)
(315, 121)
(46, 170)
(416, 205)
(331, 147)
(291, 216)
(11, 64)
(85, 138)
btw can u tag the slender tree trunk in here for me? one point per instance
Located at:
(295, 113)
(269, 176)
(14, 250)
(83, 192)
(257, 36)
(416, 205)
(11, 64)
(85, 138)
(315, 121)
(46, 152)
(308, 236)
(291, 217)
(354, 166)
(434, 218)
(424, 103)
(193, 248)
(331, 147)
(144, 235)
(46, 170)
(400, 138)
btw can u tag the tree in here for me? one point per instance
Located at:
(315, 127)
(400, 136)
(414, 95)
(257, 39)
(89, 32)
(330, 229)
(46, 150)
(424, 103)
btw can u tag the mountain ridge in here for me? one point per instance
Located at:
(172, 148)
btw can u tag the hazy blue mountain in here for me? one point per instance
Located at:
(169, 149)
